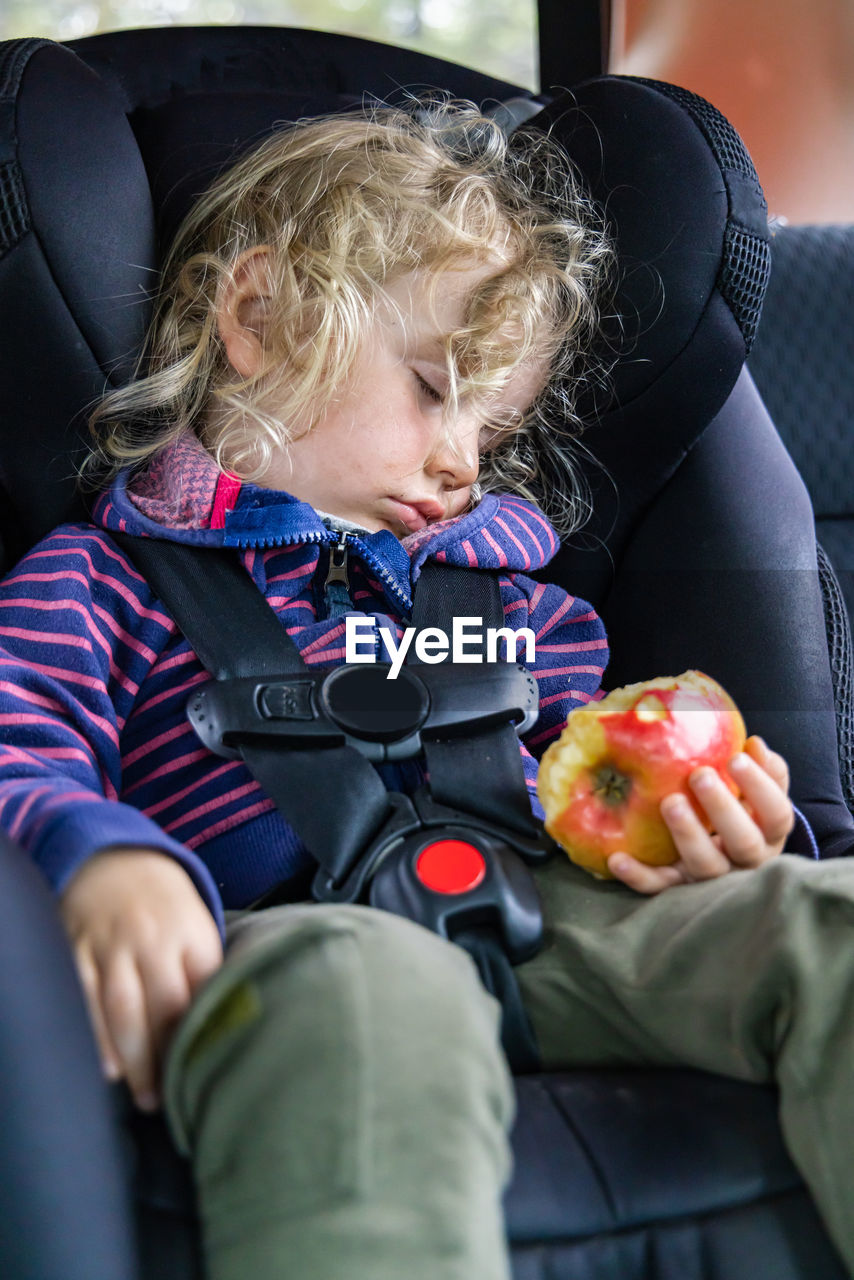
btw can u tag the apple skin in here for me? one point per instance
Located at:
(601, 783)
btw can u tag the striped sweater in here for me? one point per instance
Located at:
(94, 674)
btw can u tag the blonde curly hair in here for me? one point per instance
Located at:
(345, 204)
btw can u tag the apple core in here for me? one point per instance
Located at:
(611, 786)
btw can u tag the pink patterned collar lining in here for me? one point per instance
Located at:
(183, 488)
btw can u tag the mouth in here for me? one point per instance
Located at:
(417, 515)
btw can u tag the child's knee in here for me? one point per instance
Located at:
(375, 963)
(325, 1001)
(794, 885)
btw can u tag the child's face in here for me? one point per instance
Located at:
(382, 454)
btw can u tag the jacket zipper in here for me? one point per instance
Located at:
(336, 588)
(338, 563)
(374, 563)
(340, 539)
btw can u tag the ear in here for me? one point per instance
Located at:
(242, 311)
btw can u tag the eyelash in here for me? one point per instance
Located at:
(430, 392)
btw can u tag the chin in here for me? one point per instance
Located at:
(377, 526)
(372, 524)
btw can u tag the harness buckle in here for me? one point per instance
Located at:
(448, 871)
(362, 706)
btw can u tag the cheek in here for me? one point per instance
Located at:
(460, 502)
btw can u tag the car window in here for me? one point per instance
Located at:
(495, 36)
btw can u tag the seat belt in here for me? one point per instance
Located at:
(291, 724)
(444, 592)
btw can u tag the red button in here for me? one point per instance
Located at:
(450, 866)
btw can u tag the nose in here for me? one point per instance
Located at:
(456, 459)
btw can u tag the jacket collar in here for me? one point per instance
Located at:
(183, 496)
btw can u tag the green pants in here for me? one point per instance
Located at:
(341, 1091)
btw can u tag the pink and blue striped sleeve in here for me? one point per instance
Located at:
(78, 632)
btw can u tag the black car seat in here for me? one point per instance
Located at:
(801, 363)
(701, 553)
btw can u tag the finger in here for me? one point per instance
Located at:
(701, 855)
(641, 877)
(203, 957)
(90, 980)
(773, 763)
(126, 1017)
(744, 843)
(167, 996)
(770, 805)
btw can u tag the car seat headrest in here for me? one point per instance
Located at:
(77, 256)
(689, 218)
(92, 159)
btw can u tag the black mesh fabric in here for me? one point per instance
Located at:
(14, 55)
(744, 276)
(802, 365)
(839, 645)
(837, 538)
(727, 145)
(14, 211)
(802, 361)
(14, 216)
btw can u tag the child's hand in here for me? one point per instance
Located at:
(749, 831)
(144, 941)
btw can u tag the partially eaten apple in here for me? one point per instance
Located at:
(601, 783)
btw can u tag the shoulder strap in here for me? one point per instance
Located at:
(331, 796)
(217, 607)
(491, 758)
(444, 592)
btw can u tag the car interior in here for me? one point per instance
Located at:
(708, 495)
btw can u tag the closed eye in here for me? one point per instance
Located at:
(428, 389)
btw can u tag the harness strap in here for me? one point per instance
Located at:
(496, 974)
(217, 607)
(490, 758)
(236, 633)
